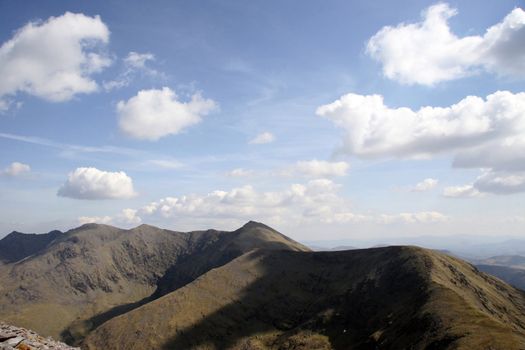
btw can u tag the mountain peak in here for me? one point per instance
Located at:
(255, 224)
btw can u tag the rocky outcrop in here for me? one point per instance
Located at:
(12, 338)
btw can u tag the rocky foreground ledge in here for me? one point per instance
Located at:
(16, 338)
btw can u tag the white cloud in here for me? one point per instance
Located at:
(91, 183)
(373, 129)
(239, 172)
(153, 114)
(138, 60)
(129, 217)
(504, 153)
(425, 185)
(428, 52)
(466, 191)
(262, 138)
(126, 218)
(55, 59)
(318, 168)
(134, 63)
(479, 133)
(314, 202)
(15, 169)
(95, 220)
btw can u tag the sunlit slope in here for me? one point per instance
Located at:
(95, 272)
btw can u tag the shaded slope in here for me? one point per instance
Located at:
(94, 272)
(16, 245)
(391, 298)
(212, 251)
(511, 275)
(86, 271)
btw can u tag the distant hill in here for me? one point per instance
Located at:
(387, 298)
(511, 275)
(16, 245)
(90, 274)
(515, 261)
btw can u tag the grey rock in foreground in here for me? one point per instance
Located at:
(12, 338)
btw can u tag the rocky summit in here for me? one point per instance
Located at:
(17, 338)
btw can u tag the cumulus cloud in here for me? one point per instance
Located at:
(54, 59)
(153, 114)
(262, 138)
(15, 169)
(428, 52)
(134, 63)
(316, 201)
(318, 168)
(373, 129)
(425, 185)
(92, 183)
(479, 133)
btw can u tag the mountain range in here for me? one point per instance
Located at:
(101, 287)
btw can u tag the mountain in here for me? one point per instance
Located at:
(16, 245)
(515, 261)
(512, 275)
(102, 287)
(92, 273)
(510, 268)
(380, 298)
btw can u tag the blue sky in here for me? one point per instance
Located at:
(305, 115)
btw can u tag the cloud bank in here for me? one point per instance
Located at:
(316, 201)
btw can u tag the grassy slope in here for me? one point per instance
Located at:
(396, 297)
(95, 272)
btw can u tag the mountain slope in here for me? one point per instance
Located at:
(511, 275)
(388, 298)
(16, 245)
(95, 272)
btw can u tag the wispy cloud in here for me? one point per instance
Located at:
(72, 147)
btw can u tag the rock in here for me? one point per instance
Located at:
(17, 338)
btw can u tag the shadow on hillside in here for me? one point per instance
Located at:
(185, 271)
(77, 331)
(320, 300)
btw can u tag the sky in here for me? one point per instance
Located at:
(323, 119)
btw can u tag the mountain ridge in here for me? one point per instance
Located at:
(95, 268)
(324, 300)
(100, 286)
